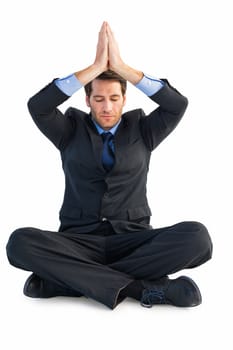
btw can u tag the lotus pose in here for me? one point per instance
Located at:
(105, 247)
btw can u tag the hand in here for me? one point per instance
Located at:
(101, 59)
(108, 57)
(114, 58)
(116, 63)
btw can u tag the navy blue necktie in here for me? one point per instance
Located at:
(108, 154)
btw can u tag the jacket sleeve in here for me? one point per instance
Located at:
(162, 121)
(52, 123)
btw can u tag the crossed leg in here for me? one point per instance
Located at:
(100, 267)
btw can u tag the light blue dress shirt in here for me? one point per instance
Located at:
(70, 84)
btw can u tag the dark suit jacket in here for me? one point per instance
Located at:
(91, 194)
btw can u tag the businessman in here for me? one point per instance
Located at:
(105, 248)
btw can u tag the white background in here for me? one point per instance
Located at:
(188, 42)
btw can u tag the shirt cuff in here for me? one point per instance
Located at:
(149, 85)
(68, 85)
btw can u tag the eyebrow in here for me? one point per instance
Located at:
(114, 95)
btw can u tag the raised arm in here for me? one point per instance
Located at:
(164, 119)
(43, 105)
(172, 105)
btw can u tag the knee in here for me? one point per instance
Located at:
(17, 244)
(201, 240)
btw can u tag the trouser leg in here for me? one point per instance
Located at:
(75, 261)
(79, 262)
(153, 254)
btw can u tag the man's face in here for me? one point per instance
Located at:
(106, 102)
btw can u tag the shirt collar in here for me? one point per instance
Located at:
(101, 131)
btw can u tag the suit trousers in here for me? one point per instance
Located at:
(100, 264)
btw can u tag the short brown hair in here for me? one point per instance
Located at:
(107, 75)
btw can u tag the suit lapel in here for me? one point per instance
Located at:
(96, 141)
(121, 140)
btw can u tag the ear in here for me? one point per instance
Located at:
(124, 100)
(88, 101)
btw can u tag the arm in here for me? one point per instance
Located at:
(43, 106)
(163, 120)
(172, 104)
(51, 122)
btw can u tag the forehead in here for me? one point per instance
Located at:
(106, 87)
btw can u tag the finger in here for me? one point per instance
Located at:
(103, 25)
(102, 29)
(110, 34)
(108, 27)
(102, 37)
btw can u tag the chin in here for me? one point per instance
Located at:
(107, 127)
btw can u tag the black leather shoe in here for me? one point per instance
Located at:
(181, 291)
(36, 287)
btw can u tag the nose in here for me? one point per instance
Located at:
(107, 106)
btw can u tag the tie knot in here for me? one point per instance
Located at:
(107, 136)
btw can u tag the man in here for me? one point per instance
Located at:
(105, 248)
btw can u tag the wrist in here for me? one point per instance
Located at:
(128, 73)
(88, 74)
(119, 67)
(98, 68)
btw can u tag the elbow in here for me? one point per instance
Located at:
(30, 105)
(184, 105)
(186, 102)
(33, 106)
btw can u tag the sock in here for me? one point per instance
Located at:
(133, 290)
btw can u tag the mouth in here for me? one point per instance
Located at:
(106, 116)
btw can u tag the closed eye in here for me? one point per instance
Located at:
(99, 99)
(113, 98)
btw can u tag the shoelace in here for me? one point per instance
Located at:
(151, 297)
